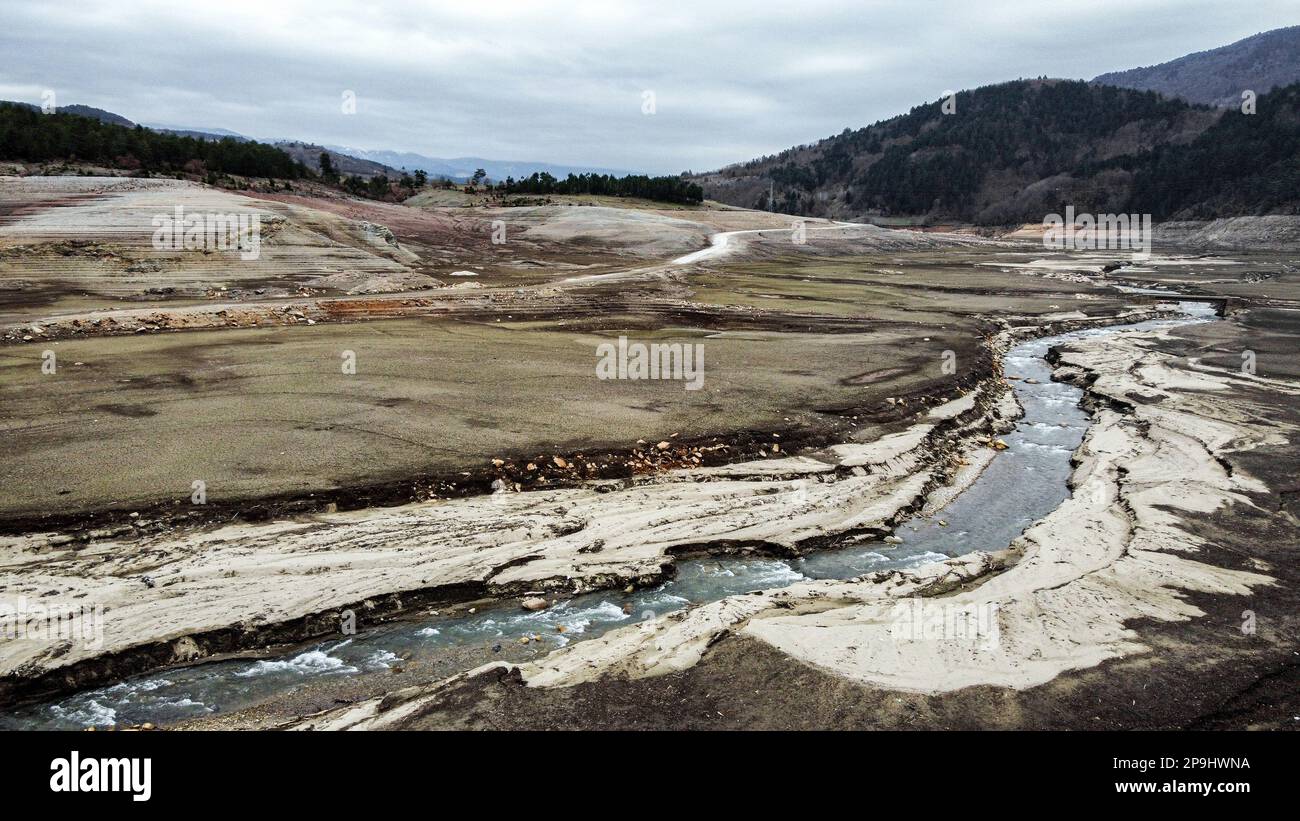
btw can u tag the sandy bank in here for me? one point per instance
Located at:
(1120, 549)
(174, 599)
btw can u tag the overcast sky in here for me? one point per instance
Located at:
(566, 81)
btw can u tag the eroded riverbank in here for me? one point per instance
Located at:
(1023, 483)
(1121, 568)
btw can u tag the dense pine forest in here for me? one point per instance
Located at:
(1016, 151)
(661, 189)
(1246, 163)
(31, 135)
(942, 160)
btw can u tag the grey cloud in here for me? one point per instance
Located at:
(562, 82)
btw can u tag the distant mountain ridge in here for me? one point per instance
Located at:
(360, 162)
(345, 164)
(81, 111)
(462, 168)
(204, 133)
(96, 113)
(117, 119)
(1219, 76)
(27, 134)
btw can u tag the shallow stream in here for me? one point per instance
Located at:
(1021, 485)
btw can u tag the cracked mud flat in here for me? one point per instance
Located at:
(1065, 595)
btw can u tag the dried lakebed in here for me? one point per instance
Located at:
(865, 488)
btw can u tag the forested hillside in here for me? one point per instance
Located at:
(1243, 164)
(28, 134)
(663, 189)
(1005, 153)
